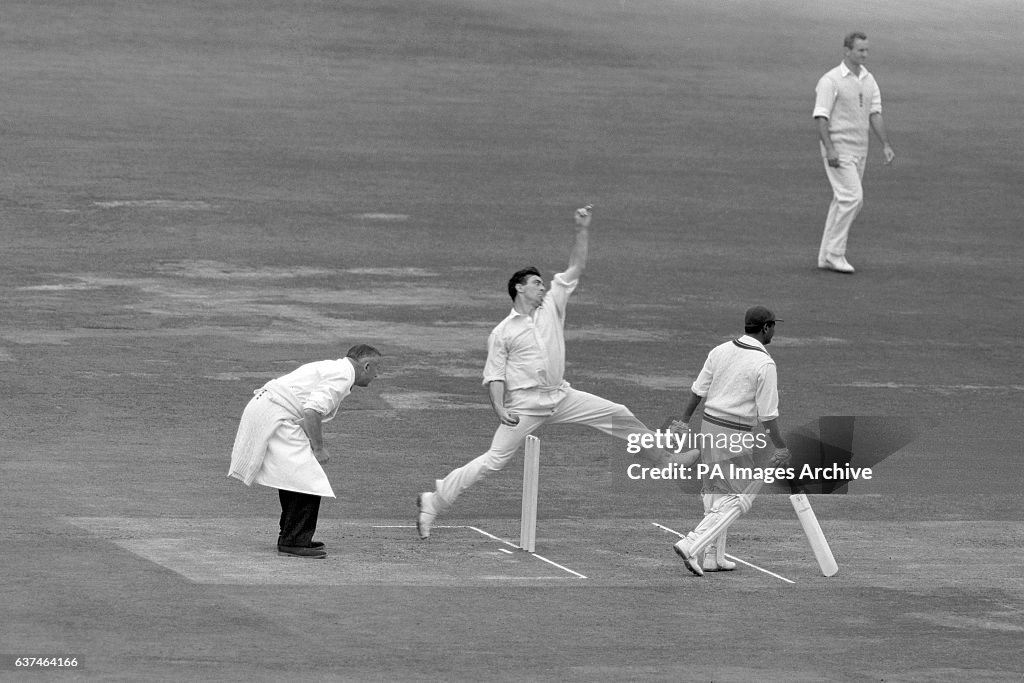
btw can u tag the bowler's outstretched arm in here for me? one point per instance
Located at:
(581, 247)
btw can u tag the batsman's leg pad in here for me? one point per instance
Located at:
(714, 553)
(726, 511)
(723, 564)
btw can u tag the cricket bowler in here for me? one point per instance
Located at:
(524, 376)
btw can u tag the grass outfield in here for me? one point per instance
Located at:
(198, 197)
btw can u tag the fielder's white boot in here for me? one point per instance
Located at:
(838, 264)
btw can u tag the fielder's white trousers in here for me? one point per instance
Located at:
(576, 407)
(847, 200)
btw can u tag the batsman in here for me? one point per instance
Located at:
(524, 376)
(739, 388)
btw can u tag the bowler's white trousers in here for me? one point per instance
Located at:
(574, 407)
(847, 200)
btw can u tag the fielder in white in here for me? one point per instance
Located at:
(280, 441)
(525, 383)
(739, 387)
(847, 103)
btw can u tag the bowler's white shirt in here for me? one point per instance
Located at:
(528, 351)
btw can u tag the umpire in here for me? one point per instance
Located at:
(280, 440)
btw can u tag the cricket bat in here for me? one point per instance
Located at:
(822, 553)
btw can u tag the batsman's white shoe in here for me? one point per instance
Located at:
(425, 519)
(713, 563)
(691, 561)
(710, 564)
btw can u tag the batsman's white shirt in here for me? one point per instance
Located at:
(739, 386)
(289, 462)
(739, 382)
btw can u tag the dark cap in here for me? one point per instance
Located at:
(759, 316)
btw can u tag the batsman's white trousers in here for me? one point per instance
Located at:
(847, 200)
(725, 499)
(576, 407)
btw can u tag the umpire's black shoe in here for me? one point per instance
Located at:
(299, 551)
(312, 544)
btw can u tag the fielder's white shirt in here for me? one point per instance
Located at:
(847, 100)
(739, 384)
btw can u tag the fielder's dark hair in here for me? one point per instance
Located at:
(851, 37)
(519, 277)
(361, 351)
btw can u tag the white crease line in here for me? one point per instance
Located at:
(414, 526)
(732, 557)
(481, 531)
(539, 557)
(522, 578)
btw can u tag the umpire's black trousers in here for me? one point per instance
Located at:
(299, 512)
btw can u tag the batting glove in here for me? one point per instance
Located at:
(679, 427)
(781, 457)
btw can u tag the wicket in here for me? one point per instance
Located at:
(531, 476)
(808, 520)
